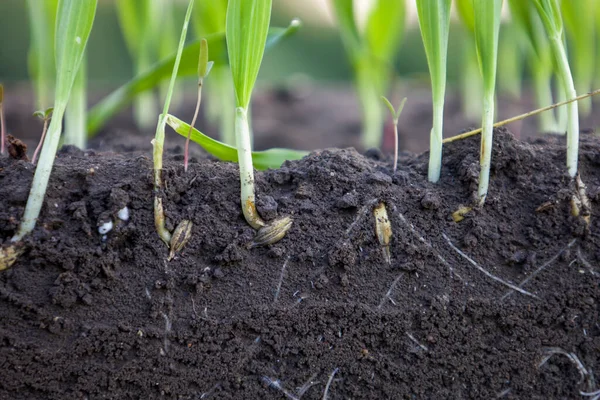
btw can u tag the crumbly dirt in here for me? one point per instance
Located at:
(320, 314)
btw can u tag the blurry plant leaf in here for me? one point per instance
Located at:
(467, 15)
(161, 71)
(384, 29)
(209, 17)
(344, 13)
(272, 158)
(246, 32)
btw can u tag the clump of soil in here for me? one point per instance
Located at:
(321, 311)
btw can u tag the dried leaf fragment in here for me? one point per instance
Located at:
(383, 230)
(181, 235)
(272, 233)
(460, 214)
(8, 256)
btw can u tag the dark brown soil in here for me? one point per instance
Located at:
(84, 318)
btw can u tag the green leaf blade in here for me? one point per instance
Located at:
(247, 26)
(272, 158)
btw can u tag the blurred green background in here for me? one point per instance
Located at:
(315, 52)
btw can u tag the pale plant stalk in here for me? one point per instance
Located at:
(485, 153)
(39, 146)
(186, 152)
(42, 174)
(244, 149)
(159, 138)
(562, 64)
(75, 114)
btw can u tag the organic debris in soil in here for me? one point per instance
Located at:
(90, 317)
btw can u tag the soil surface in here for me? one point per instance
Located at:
(320, 314)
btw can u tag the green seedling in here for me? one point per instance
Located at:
(262, 160)
(371, 52)
(471, 89)
(101, 113)
(159, 141)
(73, 26)
(395, 117)
(45, 116)
(487, 28)
(42, 20)
(209, 19)
(580, 28)
(434, 22)
(538, 57)
(138, 22)
(2, 122)
(246, 32)
(76, 113)
(511, 64)
(42, 16)
(204, 67)
(550, 14)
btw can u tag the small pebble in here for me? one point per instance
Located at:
(123, 214)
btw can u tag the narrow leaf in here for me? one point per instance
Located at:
(161, 71)
(272, 158)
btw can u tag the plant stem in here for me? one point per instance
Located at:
(373, 113)
(39, 146)
(159, 137)
(187, 140)
(566, 78)
(76, 112)
(542, 78)
(435, 141)
(42, 174)
(487, 138)
(242, 135)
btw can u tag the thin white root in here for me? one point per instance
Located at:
(361, 214)
(486, 273)
(307, 385)
(426, 243)
(276, 384)
(585, 262)
(389, 292)
(329, 382)
(541, 268)
(550, 351)
(415, 341)
(280, 280)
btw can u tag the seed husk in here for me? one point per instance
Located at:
(272, 233)
(580, 202)
(460, 214)
(383, 230)
(181, 235)
(8, 256)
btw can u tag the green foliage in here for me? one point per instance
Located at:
(579, 22)
(247, 27)
(487, 15)
(121, 97)
(371, 53)
(434, 22)
(272, 158)
(73, 26)
(42, 16)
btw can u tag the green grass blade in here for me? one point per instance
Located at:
(434, 22)
(385, 26)
(73, 26)
(487, 28)
(76, 112)
(272, 158)
(579, 22)
(42, 16)
(161, 71)
(247, 27)
(352, 40)
(549, 12)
